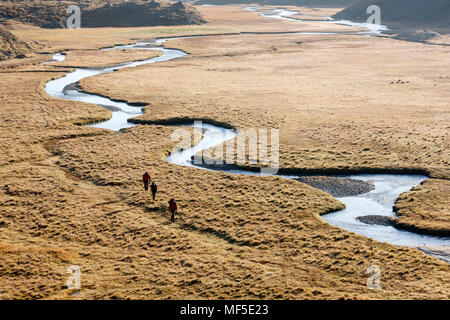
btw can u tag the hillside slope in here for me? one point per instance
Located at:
(403, 13)
(52, 14)
(133, 14)
(11, 46)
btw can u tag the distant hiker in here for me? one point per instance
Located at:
(154, 189)
(173, 209)
(146, 178)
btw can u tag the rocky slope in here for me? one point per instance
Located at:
(11, 46)
(52, 14)
(133, 14)
(403, 13)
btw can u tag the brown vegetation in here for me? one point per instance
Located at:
(345, 122)
(73, 195)
(52, 14)
(11, 46)
(425, 209)
(92, 58)
(356, 115)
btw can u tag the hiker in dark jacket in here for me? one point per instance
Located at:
(173, 208)
(146, 178)
(154, 189)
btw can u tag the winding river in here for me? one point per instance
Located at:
(376, 202)
(283, 14)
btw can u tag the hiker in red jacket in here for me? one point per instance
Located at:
(173, 208)
(154, 189)
(146, 178)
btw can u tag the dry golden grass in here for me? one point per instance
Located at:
(32, 61)
(232, 219)
(351, 109)
(73, 195)
(355, 111)
(318, 13)
(221, 20)
(92, 58)
(235, 18)
(23, 270)
(425, 208)
(31, 117)
(238, 196)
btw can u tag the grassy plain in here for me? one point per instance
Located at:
(360, 106)
(366, 108)
(92, 58)
(425, 209)
(72, 195)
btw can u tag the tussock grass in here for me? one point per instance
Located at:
(337, 113)
(263, 217)
(73, 195)
(425, 209)
(92, 58)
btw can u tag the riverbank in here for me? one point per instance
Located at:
(417, 210)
